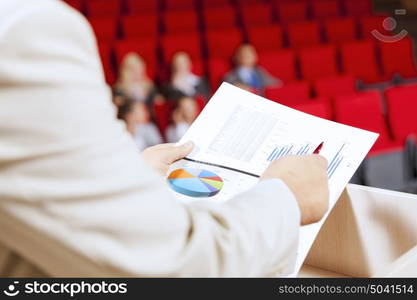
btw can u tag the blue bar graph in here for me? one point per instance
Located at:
(281, 151)
(335, 162)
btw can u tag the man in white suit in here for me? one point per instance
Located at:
(76, 199)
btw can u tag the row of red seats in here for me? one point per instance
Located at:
(293, 34)
(358, 59)
(366, 110)
(286, 10)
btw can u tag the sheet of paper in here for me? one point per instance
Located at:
(239, 132)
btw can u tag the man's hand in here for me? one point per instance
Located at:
(160, 157)
(306, 177)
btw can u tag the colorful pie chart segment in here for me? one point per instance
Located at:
(195, 182)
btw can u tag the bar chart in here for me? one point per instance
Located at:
(334, 162)
(281, 151)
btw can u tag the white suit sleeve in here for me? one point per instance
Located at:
(76, 198)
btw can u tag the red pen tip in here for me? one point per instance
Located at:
(317, 151)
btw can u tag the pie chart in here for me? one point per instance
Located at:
(195, 182)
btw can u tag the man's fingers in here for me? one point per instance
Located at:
(178, 152)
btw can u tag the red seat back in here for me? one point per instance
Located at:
(179, 4)
(318, 62)
(325, 9)
(266, 37)
(189, 43)
(140, 25)
(255, 14)
(96, 8)
(289, 94)
(357, 7)
(359, 60)
(335, 86)
(398, 58)
(319, 108)
(363, 110)
(340, 30)
(289, 11)
(140, 7)
(223, 43)
(181, 21)
(218, 67)
(105, 28)
(402, 108)
(280, 64)
(220, 17)
(303, 34)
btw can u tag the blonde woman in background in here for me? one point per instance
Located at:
(134, 82)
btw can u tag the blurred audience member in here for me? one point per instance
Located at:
(137, 119)
(248, 74)
(133, 81)
(184, 113)
(183, 82)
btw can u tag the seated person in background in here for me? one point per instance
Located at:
(184, 113)
(137, 119)
(133, 82)
(183, 82)
(247, 74)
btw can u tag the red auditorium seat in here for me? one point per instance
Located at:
(189, 43)
(105, 56)
(140, 25)
(364, 110)
(289, 94)
(340, 30)
(215, 3)
(181, 21)
(325, 8)
(402, 108)
(280, 64)
(179, 4)
(359, 59)
(105, 28)
(144, 6)
(319, 108)
(163, 112)
(367, 24)
(223, 43)
(217, 69)
(398, 58)
(357, 7)
(220, 17)
(97, 8)
(77, 4)
(319, 61)
(303, 34)
(266, 37)
(145, 47)
(255, 14)
(335, 86)
(289, 11)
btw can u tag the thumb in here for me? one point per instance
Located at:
(178, 152)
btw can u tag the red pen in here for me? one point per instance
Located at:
(317, 150)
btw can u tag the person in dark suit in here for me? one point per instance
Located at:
(248, 74)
